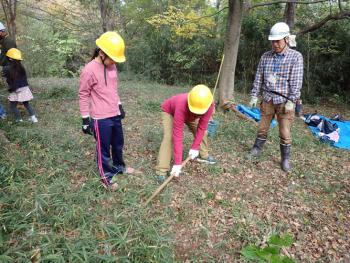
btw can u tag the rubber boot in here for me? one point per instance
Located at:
(257, 147)
(285, 154)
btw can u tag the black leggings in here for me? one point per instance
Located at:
(13, 106)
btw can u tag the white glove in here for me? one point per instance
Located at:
(253, 102)
(176, 170)
(292, 42)
(193, 154)
(289, 106)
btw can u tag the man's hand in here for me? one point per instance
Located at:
(289, 106)
(193, 154)
(86, 126)
(176, 170)
(122, 112)
(253, 102)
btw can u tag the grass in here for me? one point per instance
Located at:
(53, 206)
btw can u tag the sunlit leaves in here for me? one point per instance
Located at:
(184, 24)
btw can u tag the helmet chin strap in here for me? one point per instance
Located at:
(105, 68)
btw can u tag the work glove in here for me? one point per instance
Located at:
(289, 106)
(86, 126)
(176, 170)
(122, 112)
(253, 102)
(193, 154)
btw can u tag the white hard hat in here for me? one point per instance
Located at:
(279, 31)
(2, 27)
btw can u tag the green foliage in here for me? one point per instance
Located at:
(270, 253)
(177, 42)
(48, 52)
(150, 106)
(177, 46)
(181, 24)
(59, 93)
(326, 57)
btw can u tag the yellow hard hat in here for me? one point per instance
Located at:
(199, 99)
(113, 45)
(14, 53)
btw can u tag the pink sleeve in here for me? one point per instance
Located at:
(178, 126)
(202, 127)
(85, 86)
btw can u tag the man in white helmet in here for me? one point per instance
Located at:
(279, 77)
(6, 42)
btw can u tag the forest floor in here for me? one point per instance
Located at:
(54, 209)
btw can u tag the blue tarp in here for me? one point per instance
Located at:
(253, 113)
(344, 132)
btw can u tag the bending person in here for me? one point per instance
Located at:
(195, 110)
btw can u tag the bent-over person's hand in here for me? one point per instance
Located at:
(193, 154)
(176, 170)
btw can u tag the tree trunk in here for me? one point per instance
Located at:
(227, 78)
(289, 15)
(108, 16)
(216, 18)
(103, 11)
(10, 10)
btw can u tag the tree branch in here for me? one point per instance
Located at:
(339, 5)
(337, 16)
(285, 1)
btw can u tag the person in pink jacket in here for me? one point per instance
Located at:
(101, 108)
(195, 110)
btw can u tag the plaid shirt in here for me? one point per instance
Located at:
(287, 69)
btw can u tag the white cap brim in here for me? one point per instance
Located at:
(271, 37)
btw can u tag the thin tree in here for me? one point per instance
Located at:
(108, 16)
(10, 11)
(289, 15)
(226, 83)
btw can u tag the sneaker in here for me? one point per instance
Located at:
(209, 160)
(3, 116)
(19, 120)
(111, 186)
(33, 119)
(160, 177)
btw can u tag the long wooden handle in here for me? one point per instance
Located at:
(217, 78)
(160, 188)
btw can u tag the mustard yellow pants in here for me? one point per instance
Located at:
(284, 119)
(166, 147)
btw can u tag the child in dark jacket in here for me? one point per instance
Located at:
(16, 78)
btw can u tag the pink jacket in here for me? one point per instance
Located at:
(96, 99)
(178, 108)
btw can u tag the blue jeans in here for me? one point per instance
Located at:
(2, 111)
(109, 136)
